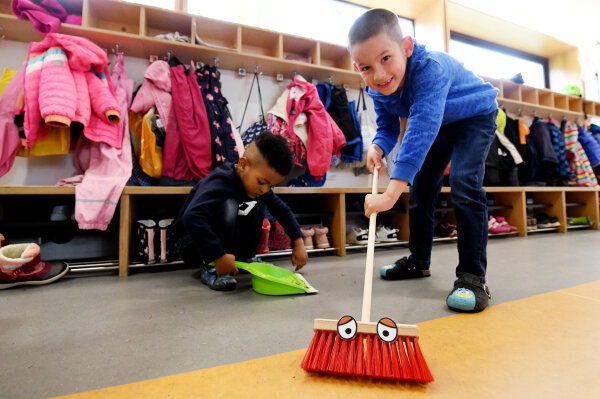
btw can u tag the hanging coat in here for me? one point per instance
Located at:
(223, 144)
(187, 152)
(324, 136)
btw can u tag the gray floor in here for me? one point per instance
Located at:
(87, 333)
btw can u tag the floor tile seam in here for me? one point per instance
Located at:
(565, 292)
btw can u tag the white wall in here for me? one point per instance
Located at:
(48, 170)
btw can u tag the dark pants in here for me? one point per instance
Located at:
(239, 234)
(466, 144)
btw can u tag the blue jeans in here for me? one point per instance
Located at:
(466, 144)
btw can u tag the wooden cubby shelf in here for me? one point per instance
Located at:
(509, 202)
(235, 46)
(526, 100)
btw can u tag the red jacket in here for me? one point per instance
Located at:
(324, 136)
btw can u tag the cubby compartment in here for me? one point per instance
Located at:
(154, 208)
(529, 95)
(510, 204)
(589, 107)
(549, 203)
(561, 101)
(218, 33)
(319, 210)
(546, 98)
(261, 42)
(582, 205)
(511, 90)
(119, 17)
(393, 219)
(160, 23)
(47, 220)
(299, 49)
(575, 104)
(334, 56)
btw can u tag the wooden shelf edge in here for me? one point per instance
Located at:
(166, 190)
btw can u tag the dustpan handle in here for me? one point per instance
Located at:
(366, 309)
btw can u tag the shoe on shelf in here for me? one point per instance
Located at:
(495, 228)
(469, 294)
(166, 240)
(215, 282)
(403, 269)
(278, 240)
(321, 240)
(445, 229)
(146, 229)
(579, 221)
(531, 224)
(60, 213)
(308, 232)
(545, 221)
(263, 244)
(503, 222)
(386, 234)
(357, 235)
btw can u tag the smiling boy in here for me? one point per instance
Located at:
(451, 117)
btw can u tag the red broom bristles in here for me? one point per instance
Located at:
(400, 360)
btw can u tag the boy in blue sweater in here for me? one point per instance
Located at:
(221, 219)
(451, 117)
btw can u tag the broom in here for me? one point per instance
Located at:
(381, 350)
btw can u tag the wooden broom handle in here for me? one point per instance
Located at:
(367, 292)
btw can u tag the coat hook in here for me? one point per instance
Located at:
(169, 55)
(216, 61)
(518, 111)
(2, 38)
(330, 79)
(117, 48)
(256, 69)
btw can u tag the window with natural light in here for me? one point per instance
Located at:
(490, 60)
(329, 24)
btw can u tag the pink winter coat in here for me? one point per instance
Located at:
(66, 81)
(324, 136)
(155, 91)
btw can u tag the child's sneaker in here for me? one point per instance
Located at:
(278, 239)
(403, 269)
(20, 264)
(215, 282)
(386, 234)
(469, 294)
(356, 235)
(496, 228)
(503, 222)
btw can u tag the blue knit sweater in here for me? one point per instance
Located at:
(438, 90)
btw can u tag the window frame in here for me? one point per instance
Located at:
(473, 41)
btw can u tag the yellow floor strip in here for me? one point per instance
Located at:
(547, 346)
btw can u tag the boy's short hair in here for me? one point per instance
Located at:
(371, 23)
(275, 151)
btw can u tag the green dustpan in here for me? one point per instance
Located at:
(273, 280)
